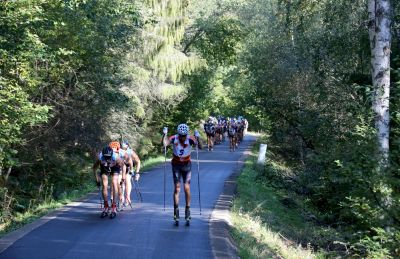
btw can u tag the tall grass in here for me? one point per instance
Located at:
(266, 225)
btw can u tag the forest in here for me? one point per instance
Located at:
(320, 78)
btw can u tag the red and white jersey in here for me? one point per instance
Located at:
(181, 151)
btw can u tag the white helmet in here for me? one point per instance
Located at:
(183, 129)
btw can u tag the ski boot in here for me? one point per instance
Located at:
(120, 206)
(113, 211)
(104, 213)
(176, 216)
(187, 216)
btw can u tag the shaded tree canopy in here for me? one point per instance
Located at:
(76, 74)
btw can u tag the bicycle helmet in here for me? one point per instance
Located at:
(183, 129)
(107, 152)
(115, 146)
(125, 144)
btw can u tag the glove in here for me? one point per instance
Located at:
(196, 133)
(137, 176)
(165, 130)
(97, 183)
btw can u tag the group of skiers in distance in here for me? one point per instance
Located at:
(219, 128)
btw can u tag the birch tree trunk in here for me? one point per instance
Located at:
(380, 39)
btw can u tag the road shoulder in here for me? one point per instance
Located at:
(8, 239)
(222, 244)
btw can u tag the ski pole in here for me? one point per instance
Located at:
(139, 192)
(165, 168)
(198, 174)
(165, 131)
(135, 185)
(100, 198)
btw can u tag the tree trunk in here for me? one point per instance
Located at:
(8, 174)
(380, 39)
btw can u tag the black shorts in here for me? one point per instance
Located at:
(110, 170)
(128, 171)
(184, 171)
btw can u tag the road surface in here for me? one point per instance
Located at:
(147, 231)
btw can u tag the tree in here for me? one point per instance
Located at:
(380, 42)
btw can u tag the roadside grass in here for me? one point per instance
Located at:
(272, 223)
(152, 162)
(32, 214)
(49, 204)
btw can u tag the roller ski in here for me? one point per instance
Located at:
(187, 216)
(104, 213)
(113, 213)
(120, 206)
(176, 217)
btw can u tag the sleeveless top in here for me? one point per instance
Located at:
(181, 151)
(111, 163)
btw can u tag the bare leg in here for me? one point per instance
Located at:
(128, 188)
(187, 194)
(115, 187)
(176, 193)
(104, 179)
(121, 199)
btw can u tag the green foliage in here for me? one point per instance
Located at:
(217, 38)
(220, 39)
(163, 36)
(304, 73)
(269, 221)
(17, 114)
(76, 74)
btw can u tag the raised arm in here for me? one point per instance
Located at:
(165, 140)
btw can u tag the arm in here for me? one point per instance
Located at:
(199, 143)
(135, 158)
(165, 141)
(95, 167)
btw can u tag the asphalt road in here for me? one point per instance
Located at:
(147, 231)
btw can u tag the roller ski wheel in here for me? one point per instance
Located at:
(176, 217)
(104, 214)
(120, 207)
(187, 217)
(105, 211)
(113, 213)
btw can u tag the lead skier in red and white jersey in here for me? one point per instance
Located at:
(182, 144)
